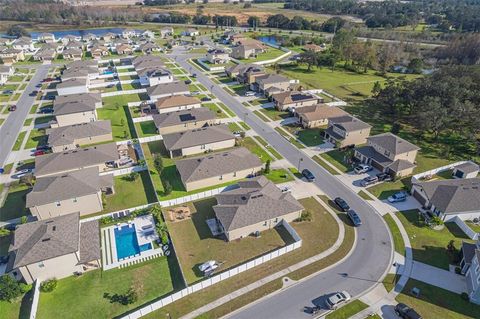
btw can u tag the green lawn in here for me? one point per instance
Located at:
(428, 245)
(268, 147)
(279, 176)
(234, 127)
(348, 310)
(245, 126)
(274, 114)
(116, 110)
(44, 119)
(195, 244)
(239, 89)
(338, 159)
(271, 53)
(249, 143)
(87, 296)
(364, 195)
(14, 205)
(215, 109)
(292, 140)
(325, 165)
(390, 281)
(146, 128)
(17, 309)
(398, 242)
(474, 227)
(36, 138)
(436, 302)
(130, 193)
(262, 116)
(227, 110)
(310, 136)
(27, 122)
(18, 142)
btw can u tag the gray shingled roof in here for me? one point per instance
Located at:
(5, 68)
(91, 98)
(349, 123)
(154, 71)
(200, 136)
(255, 201)
(242, 68)
(146, 61)
(45, 239)
(198, 168)
(69, 185)
(392, 143)
(289, 97)
(453, 195)
(76, 159)
(467, 167)
(89, 242)
(167, 88)
(68, 134)
(72, 82)
(72, 107)
(271, 79)
(320, 112)
(468, 250)
(183, 117)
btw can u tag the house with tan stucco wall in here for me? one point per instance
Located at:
(180, 121)
(71, 137)
(54, 248)
(317, 115)
(347, 130)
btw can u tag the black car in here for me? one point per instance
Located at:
(188, 82)
(34, 93)
(384, 177)
(342, 204)
(46, 110)
(369, 180)
(205, 99)
(354, 217)
(43, 148)
(308, 175)
(405, 312)
(194, 75)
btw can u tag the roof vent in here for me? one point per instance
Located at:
(46, 239)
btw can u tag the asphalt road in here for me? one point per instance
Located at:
(371, 256)
(13, 124)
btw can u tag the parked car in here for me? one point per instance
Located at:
(398, 197)
(7, 92)
(43, 148)
(39, 152)
(34, 93)
(308, 175)
(46, 110)
(50, 97)
(362, 168)
(342, 204)
(12, 108)
(22, 173)
(384, 177)
(39, 85)
(188, 81)
(205, 99)
(369, 180)
(404, 311)
(337, 299)
(194, 75)
(195, 93)
(237, 134)
(47, 80)
(250, 93)
(354, 217)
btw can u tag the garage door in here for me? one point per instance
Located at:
(419, 197)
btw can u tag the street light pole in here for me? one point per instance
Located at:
(299, 161)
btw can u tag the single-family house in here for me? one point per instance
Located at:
(72, 54)
(65, 138)
(255, 206)
(149, 47)
(450, 198)
(173, 103)
(90, 98)
(313, 47)
(317, 115)
(217, 168)
(270, 83)
(5, 72)
(217, 56)
(245, 73)
(10, 56)
(89, 37)
(73, 86)
(389, 153)
(167, 89)
(346, 131)
(45, 55)
(147, 61)
(147, 34)
(58, 247)
(81, 69)
(74, 112)
(99, 51)
(166, 32)
(154, 75)
(77, 191)
(199, 140)
(100, 156)
(180, 121)
(24, 43)
(470, 267)
(46, 37)
(109, 37)
(127, 34)
(123, 48)
(468, 169)
(291, 100)
(248, 48)
(190, 32)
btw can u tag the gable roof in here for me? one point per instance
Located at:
(467, 167)
(242, 68)
(393, 143)
(271, 79)
(72, 82)
(72, 107)
(88, 98)
(288, 97)
(168, 88)
(320, 112)
(143, 61)
(68, 134)
(175, 100)
(349, 123)
(453, 195)
(69, 185)
(200, 136)
(212, 165)
(183, 117)
(255, 201)
(76, 159)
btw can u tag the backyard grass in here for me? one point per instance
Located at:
(279, 176)
(36, 138)
(116, 110)
(348, 310)
(325, 165)
(130, 193)
(14, 205)
(87, 296)
(256, 149)
(271, 53)
(435, 302)
(18, 142)
(195, 244)
(274, 114)
(146, 128)
(338, 159)
(17, 309)
(398, 242)
(428, 245)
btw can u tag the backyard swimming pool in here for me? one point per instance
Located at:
(127, 243)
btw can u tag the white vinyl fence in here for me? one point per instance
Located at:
(35, 299)
(416, 178)
(150, 138)
(464, 227)
(142, 119)
(194, 197)
(123, 93)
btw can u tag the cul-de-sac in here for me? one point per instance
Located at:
(250, 159)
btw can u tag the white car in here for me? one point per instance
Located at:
(207, 265)
(362, 168)
(22, 173)
(338, 299)
(249, 93)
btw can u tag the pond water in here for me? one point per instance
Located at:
(76, 32)
(269, 40)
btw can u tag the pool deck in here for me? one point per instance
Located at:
(144, 236)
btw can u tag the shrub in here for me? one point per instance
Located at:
(167, 187)
(437, 221)
(10, 288)
(106, 220)
(48, 285)
(4, 232)
(23, 220)
(306, 216)
(464, 296)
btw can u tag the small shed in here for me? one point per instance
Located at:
(466, 170)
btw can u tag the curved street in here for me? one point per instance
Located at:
(372, 255)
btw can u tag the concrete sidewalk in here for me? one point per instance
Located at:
(439, 277)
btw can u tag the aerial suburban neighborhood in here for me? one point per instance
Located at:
(239, 159)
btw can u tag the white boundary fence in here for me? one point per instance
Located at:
(464, 227)
(150, 138)
(193, 197)
(416, 178)
(126, 170)
(132, 104)
(123, 92)
(111, 214)
(35, 299)
(142, 119)
(219, 277)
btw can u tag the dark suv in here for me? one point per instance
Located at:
(342, 204)
(405, 312)
(308, 175)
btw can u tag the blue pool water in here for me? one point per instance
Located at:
(107, 72)
(127, 243)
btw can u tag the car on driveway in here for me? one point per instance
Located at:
(354, 217)
(39, 152)
(405, 312)
(362, 168)
(398, 197)
(369, 180)
(188, 81)
(22, 173)
(308, 175)
(337, 299)
(46, 110)
(250, 93)
(8, 92)
(384, 177)
(205, 99)
(342, 204)
(12, 108)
